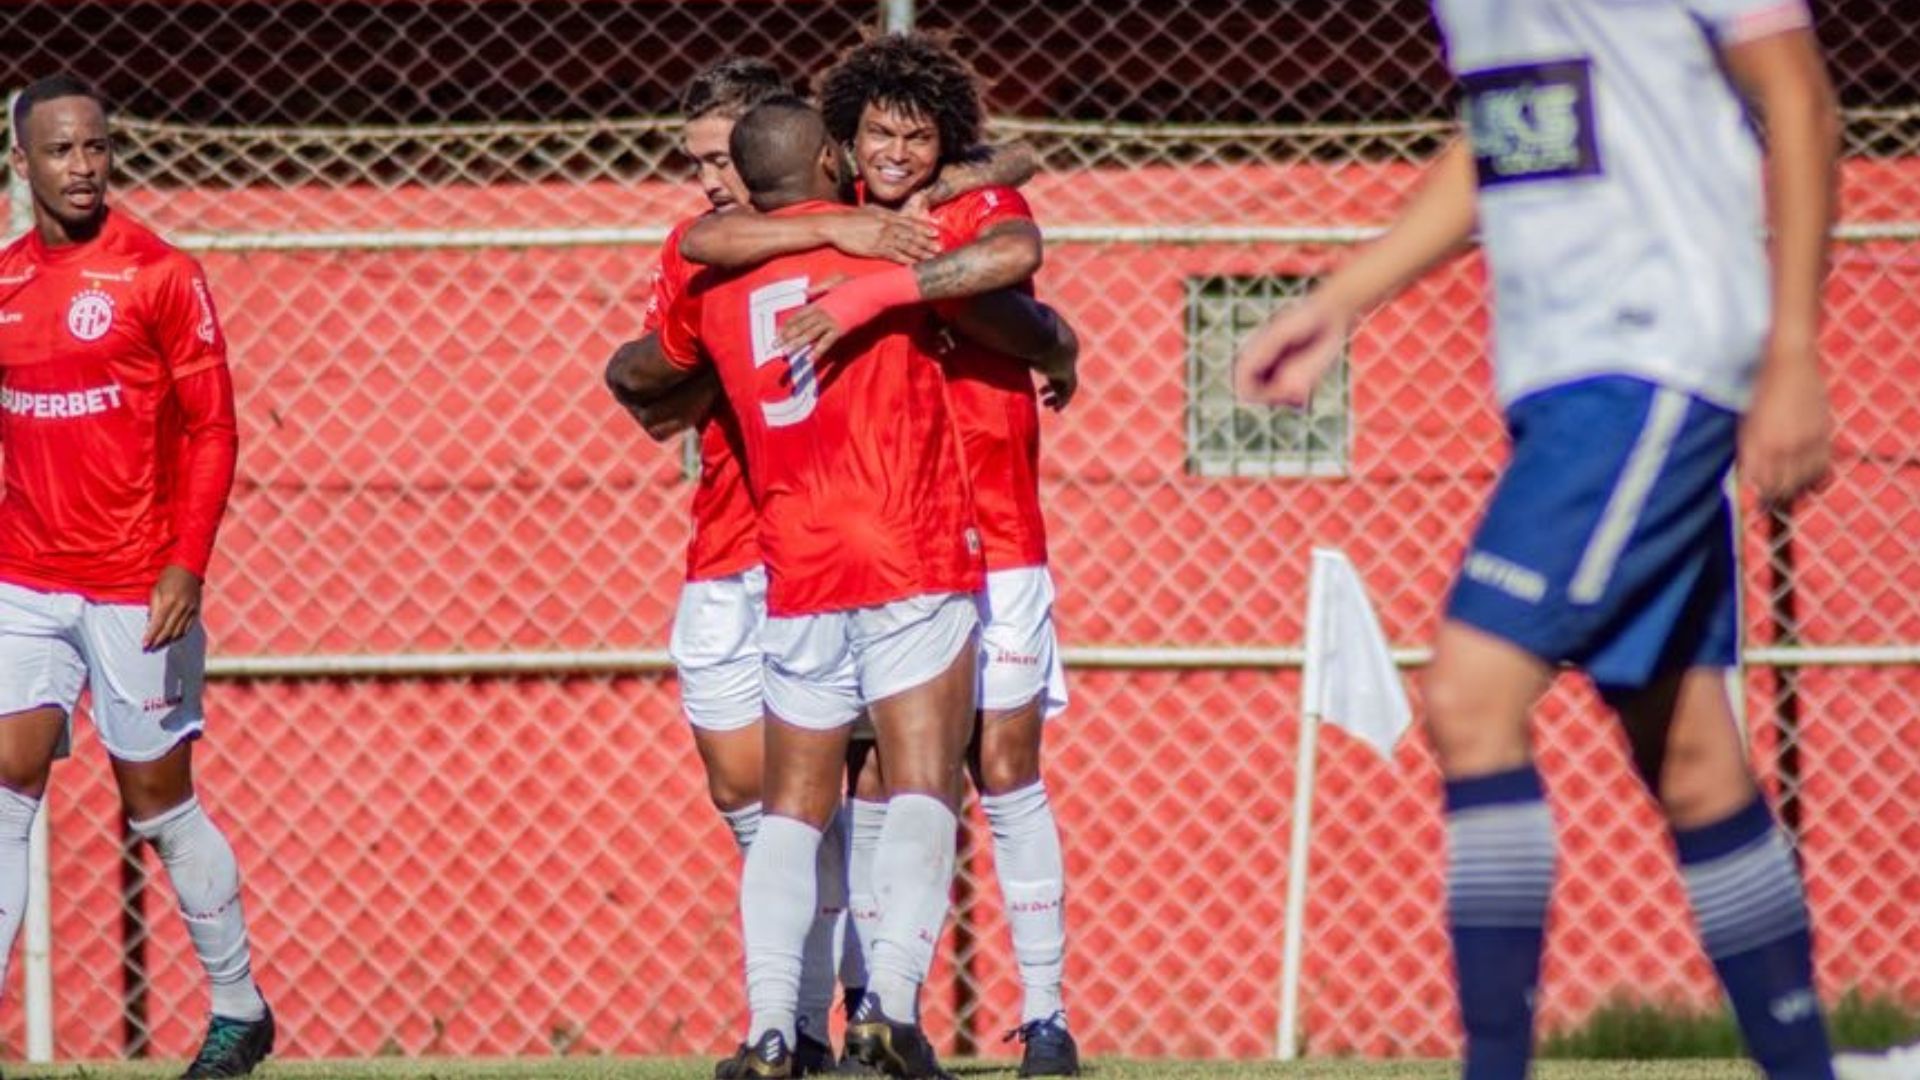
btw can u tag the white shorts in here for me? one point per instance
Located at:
(823, 670)
(54, 644)
(1019, 652)
(716, 649)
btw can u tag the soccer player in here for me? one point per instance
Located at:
(116, 411)
(715, 640)
(906, 106)
(866, 527)
(1642, 343)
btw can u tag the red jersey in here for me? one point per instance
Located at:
(852, 458)
(724, 524)
(995, 406)
(116, 414)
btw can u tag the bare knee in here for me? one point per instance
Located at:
(1477, 696)
(1470, 736)
(148, 794)
(1008, 756)
(734, 766)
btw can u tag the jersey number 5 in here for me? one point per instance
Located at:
(764, 306)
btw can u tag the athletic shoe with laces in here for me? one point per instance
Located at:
(232, 1047)
(896, 1049)
(766, 1058)
(1050, 1049)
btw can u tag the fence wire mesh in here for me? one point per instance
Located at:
(428, 223)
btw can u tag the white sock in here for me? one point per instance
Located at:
(819, 958)
(16, 827)
(206, 878)
(1026, 857)
(913, 880)
(745, 823)
(777, 897)
(863, 911)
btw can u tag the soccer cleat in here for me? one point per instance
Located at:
(851, 1065)
(812, 1057)
(233, 1047)
(1050, 1050)
(896, 1049)
(766, 1058)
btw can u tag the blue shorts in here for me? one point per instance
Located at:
(1609, 541)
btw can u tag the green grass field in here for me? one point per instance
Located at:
(685, 1069)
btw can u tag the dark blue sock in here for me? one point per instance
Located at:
(1752, 913)
(1499, 878)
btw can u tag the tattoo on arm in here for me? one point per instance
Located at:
(1004, 255)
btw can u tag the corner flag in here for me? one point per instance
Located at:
(1350, 678)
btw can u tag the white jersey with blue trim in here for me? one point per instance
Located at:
(1621, 202)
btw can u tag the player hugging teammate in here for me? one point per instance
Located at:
(864, 596)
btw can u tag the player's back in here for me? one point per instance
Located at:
(852, 457)
(1620, 195)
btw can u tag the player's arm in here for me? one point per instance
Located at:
(1283, 360)
(1786, 436)
(639, 373)
(1005, 253)
(1010, 321)
(868, 232)
(186, 332)
(670, 411)
(1006, 165)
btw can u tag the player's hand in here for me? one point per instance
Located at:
(1786, 438)
(1282, 361)
(809, 329)
(172, 607)
(875, 233)
(1060, 369)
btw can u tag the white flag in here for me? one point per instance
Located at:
(1350, 676)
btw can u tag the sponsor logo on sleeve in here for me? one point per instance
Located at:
(90, 315)
(205, 331)
(1532, 122)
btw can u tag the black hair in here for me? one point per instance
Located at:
(917, 73)
(48, 89)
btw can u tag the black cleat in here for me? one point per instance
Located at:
(896, 1049)
(766, 1058)
(812, 1057)
(1050, 1051)
(233, 1047)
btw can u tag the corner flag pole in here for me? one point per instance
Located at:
(1312, 703)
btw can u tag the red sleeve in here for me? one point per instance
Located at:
(680, 332)
(186, 329)
(965, 218)
(206, 463)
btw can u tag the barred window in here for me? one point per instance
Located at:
(1226, 437)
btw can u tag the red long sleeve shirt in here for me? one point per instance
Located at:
(116, 414)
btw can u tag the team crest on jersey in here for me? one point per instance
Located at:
(90, 315)
(1532, 122)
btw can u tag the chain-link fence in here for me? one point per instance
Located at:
(468, 814)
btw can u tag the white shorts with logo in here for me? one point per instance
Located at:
(1019, 651)
(52, 645)
(716, 648)
(822, 670)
